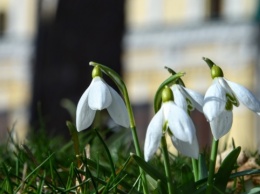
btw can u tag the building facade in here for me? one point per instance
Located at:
(178, 34)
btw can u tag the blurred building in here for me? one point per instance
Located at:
(45, 48)
(17, 29)
(160, 33)
(178, 34)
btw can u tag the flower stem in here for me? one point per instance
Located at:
(195, 169)
(139, 153)
(213, 156)
(135, 137)
(167, 165)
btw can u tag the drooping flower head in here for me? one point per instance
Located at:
(173, 119)
(184, 97)
(98, 96)
(220, 98)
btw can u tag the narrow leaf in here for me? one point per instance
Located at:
(223, 174)
(75, 139)
(154, 173)
(254, 190)
(35, 171)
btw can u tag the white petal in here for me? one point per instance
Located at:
(186, 148)
(214, 101)
(245, 96)
(179, 98)
(117, 109)
(99, 95)
(179, 122)
(195, 97)
(221, 125)
(153, 135)
(84, 114)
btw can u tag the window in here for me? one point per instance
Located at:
(215, 9)
(2, 23)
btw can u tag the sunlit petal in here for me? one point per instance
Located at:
(179, 122)
(186, 148)
(153, 135)
(117, 109)
(221, 125)
(99, 95)
(245, 96)
(84, 114)
(179, 98)
(214, 101)
(195, 97)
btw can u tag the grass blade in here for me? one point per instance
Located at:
(34, 171)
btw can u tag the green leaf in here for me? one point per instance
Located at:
(154, 173)
(34, 172)
(158, 96)
(244, 173)
(254, 190)
(74, 136)
(171, 71)
(223, 174)
(188, 184)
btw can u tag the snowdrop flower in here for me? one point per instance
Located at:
(177, 122)
(99, 95)
(219, 100)
(186, 98)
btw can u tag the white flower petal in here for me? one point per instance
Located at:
(179, 98)
(186, 148)
(117, 109)
(221, 125)
(195, 97)
(223, 82)
(84, 114)
(153, 135)
(214, 100)
(179, 122)
(99, 95)
(245, 96)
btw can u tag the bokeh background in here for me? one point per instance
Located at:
(46, 45)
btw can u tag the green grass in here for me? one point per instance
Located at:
(93, 161)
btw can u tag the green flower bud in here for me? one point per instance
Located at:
(216, 71)
(96, 72)
(167, 94)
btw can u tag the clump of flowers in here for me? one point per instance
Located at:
(173, 103)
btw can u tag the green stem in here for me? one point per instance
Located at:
(213, 156)
(167, 167)
(195, 169)
(139, 153)
(135, 136)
